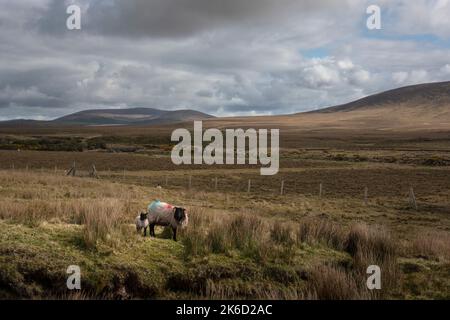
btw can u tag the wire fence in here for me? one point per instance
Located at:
(243, 183)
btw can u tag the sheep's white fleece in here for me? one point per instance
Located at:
(141, 223)
(162, 213)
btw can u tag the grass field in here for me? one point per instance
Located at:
(239, 244)
(259, 244)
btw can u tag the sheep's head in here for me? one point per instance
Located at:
(180, 214)
(143, 216)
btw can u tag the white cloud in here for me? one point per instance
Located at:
(345, 64)
(319, 75)
(446, 69)
(421, 17)
(412, 77)
(400, 77)
(418, 76)
(361, 76)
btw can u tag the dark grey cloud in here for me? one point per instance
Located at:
(178, 18)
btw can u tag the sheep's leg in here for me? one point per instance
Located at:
(145, 231)
(152, 230)
(174, 234)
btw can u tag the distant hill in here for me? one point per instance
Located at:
(436, 95)
(131, 116)
(412, 108)
(105, 117)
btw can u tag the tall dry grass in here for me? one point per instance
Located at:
(220, 233)
(265, 240)
(373, 245)
(101, 221)
(260, 291)
(320, 231)
(432, 244)
(33, 212)
(329, 282)
(101, 207)
(370, 245)
(99, 217)
(213, 234)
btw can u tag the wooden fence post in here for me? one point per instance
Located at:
(215, 183)
(93, 172)
(190, 182)
(320, 197)
(72, 170)
(366, 191)
(282, 187)
(412, 198)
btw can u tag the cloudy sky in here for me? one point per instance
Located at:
(223, 57)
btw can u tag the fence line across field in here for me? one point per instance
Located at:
(148, 180)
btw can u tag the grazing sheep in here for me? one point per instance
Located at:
(164, 214)
(142, 223)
